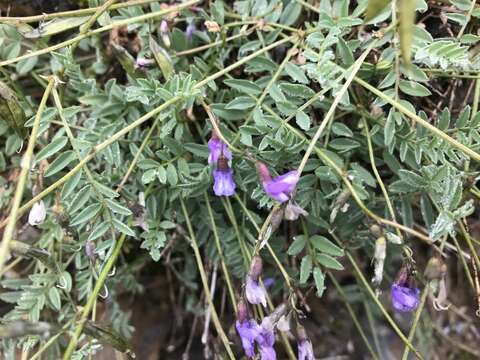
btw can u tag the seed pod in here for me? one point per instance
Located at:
(11, 110)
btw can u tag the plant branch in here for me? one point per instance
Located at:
(26, 164)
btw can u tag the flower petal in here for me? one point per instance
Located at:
(224, 185)
(254, 292)
(405, 299)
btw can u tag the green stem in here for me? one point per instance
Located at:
(467, 20)
(22, 178)
(100, 30)
(71, 13)
(51, 340)
(93, 297)
(220, 253)
(370, 292)
(265, 92)
(467, 151)
(356, 322)
(356, 66)
(206, 289)
(411, 334)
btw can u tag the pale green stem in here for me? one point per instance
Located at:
(25, 164)
(392, 323)
(468, 239)
(377, 175)
(265, 92)
(71, 13)
(358, 63)
(220, 253)
(464, 263)
(214, 44)
(355, 320)
(206, 289)
(86, 27)
(467, 20)
(137, 156)
(51, 340)
(419, 120)
(411, 334)
(91, 180)
(308, 6)
(93, 297)
(99, 30)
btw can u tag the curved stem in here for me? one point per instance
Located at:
(71, 13)
(98, 31)
(226, 273)
(411, 334)
(26, 163)
(203, 276)
(93, 297)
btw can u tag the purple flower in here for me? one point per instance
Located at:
(223, 185)
(404, 298)
(280, 187)
(267, 282)
(305, 350)
(248, 331)
(405, 295)
(142, 63)
(191, 28)
(216, 148)
(266, 339)
(254, 292)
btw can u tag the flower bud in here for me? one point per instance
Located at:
(37, 214)
(435, 269)
(301, 333)
(256, 267)
(165, 33)
(263, 172)
(242, 311)
(293, 211)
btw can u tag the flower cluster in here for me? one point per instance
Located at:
(263, 335)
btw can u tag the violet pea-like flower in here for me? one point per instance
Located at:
(223, 185)
(248, 331)
(254, 292)
(190, 30)
(405, 295)
(217, 147)
(305, 350)
(405, 298)
(266, 340)
(279, 188)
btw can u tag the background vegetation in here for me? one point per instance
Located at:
(113, 237)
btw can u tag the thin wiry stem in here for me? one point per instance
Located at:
(226, 273)
(93, 297)
(372, 295)
(203, 276)
(411, 334)
(98, 31)
(71, 13)
(22, 178)
(355, 68)
(355, 320)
